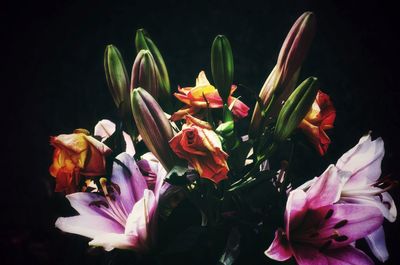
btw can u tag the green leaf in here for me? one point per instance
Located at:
(177, 176)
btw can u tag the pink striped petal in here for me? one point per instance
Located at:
(279, 249)
(129, 180)
(326, 189)
(347, 256)
(296, 208)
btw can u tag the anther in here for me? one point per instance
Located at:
(341, 238)
(329, 214)
(340, 224)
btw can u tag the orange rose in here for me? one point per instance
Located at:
(76, 155)
(201, 146)
(320, 118)
(204, 95)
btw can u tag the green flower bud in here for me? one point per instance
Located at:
(295, 108)
(284, 75)
(116, 75)
(143, 42)
(222, 66)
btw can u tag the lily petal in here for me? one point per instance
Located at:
(129, 180)
(86, 203)
(326, 189)
(377, 244)
(307, 255)
(296, 208)
(347, 256)
(279, 249)
(385, 203)
(350, 222)
(364, 161)
(139, 218)
(88, 225)
(109, 241)
(104, 129)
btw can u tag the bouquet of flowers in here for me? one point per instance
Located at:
(131, 178)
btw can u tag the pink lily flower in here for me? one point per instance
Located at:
(124, 216)
(317, 230)
(363, 186)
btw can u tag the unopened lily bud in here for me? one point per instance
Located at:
(116, 75)
(284, 75)
(295, 108)
(143, 42)
(145, 73)
(222, 66)
(153, 126)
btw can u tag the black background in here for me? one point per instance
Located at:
(53, 82)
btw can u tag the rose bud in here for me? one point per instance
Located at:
(143, 42)
(76, 155)
(153, 126)
(295, 108)
(319, 118)
(284, 75)
(202, 148)
(222, 66)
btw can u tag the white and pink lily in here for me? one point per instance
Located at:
(124, 216)
(363, 186)
(318, 230)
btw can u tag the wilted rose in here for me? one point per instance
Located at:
(320, 118)
(201, 146)
(75, 155)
